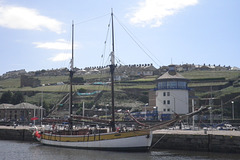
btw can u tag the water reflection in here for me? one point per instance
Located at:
(10, 150)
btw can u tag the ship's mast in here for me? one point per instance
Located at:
(112, 68)
(71, 77)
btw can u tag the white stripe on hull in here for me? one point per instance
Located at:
(121, 143)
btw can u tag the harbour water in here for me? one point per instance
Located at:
(17, 150)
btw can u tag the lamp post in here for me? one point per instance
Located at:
(233, 110)
(83, 112)
(106, 110)
(41, 117)
(193, 118)
(146, 111)
(34, 115)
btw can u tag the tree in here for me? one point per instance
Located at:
(78, 80)
(6, 97)
(17, 98)
(82, 90)
(9, 97)
(143, 98)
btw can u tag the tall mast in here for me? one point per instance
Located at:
(71, 77)
(112, 68)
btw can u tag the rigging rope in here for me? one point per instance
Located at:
(91, 19)
(131, 35)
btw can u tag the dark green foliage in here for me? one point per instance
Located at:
(143, 98)
(121, 96)
(82, 90)
(6, 97)
(47, 106)
(17, 98)
(78, 80)
(12, 98)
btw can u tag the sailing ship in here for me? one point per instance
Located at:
(101, 138)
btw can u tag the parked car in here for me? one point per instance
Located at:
(227, 127)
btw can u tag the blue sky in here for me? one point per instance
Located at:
(36, 35)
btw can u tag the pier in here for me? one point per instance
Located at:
(200, 140)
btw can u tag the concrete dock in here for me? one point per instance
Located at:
(200, 140)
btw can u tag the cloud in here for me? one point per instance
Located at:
(61, 57)
(24, 18)
(152, 12)
(60, 44)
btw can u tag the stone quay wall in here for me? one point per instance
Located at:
(211, 141)
(20, 134)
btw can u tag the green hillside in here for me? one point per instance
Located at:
(224, 85)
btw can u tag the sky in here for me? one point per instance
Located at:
(36, 35)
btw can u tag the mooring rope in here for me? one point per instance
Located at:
(158, 141)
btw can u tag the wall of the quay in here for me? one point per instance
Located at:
(16, 134)
(207, 142)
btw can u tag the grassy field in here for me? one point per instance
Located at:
(52, 79)
(10, 83)
(211, 74)
(146, 79)
(206, 84)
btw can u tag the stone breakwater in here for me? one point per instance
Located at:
(210, 141)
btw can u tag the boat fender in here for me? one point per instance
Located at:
(118, 130)
(37, 134)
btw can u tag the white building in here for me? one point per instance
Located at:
(171, 94)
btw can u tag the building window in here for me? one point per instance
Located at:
(162, 85)
(168, 93)
(164, 102)
(164, 93)
(182, 84)
(168, 109)
(172, 84)
(164, 110)
(168, 101)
